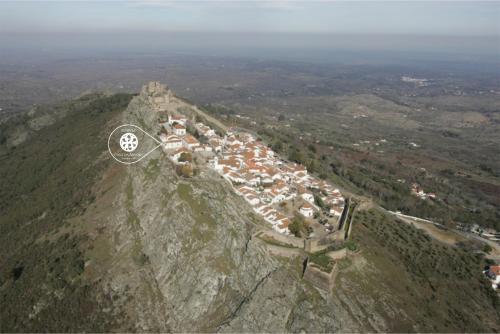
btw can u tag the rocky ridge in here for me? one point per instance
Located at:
(181, 256)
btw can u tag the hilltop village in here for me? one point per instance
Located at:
(282, 192)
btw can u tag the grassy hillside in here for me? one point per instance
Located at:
(46, 180)
(401, 277)
(415, 282)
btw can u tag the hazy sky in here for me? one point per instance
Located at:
(374, 17)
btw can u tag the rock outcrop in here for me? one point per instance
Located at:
(182, 256)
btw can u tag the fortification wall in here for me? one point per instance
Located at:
(316, 245)
(319, 278)
(286, 239)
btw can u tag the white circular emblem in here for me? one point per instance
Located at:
(128, 142)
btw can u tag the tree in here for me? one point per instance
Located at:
(277, 146)
(185, 157)
(312, 165)
(319, 202)
(186, 170)
(192, 130)
(296, 156)
(294, 228)
(297, 225)
(281, 117)
(203, 140)
(487, 248)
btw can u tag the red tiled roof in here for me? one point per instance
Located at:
(191, 140)
(172, 138)
(495, 270)
(307, 206)
(284, 223)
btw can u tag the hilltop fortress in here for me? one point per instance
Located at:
(158, 95)
(299, 208)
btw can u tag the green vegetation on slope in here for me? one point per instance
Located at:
(45, 181)
(362, 143)
(440, 288)
(322, 260)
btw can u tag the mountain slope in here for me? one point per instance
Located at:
(45, 180)
(89, 244)
(93, 245)
(183, 249)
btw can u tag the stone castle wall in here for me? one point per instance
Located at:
(320, 279)
(316, 245)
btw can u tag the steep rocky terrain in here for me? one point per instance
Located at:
(182, 251)
(89, 244)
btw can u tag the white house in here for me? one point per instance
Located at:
(178, 152)
(206, 148)
(179, 130)
(493, 273)
(307, 196)
(260, 208)
(282, 226)
(172, 142)
(276, 198)
(252, 199)
(205, 130)
(336, 211)
(242, 190)
(177, 119)
(216, 144)
(270, 215)
(163, 137)
(280, 222)
(233, 177)
(307, 210)
(191, 142)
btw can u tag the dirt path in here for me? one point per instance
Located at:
(495, 252)
(449, 237)
(211, 119)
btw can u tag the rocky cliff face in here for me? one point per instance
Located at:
(178, 254)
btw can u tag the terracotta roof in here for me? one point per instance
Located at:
(284, 223)
(173, 138)
(191, 140)
(495, 270)
(230, 162)
(280, 216)
(307, 206)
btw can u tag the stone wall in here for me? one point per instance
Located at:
(319, 278)
(316, 245)
(286, 239)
